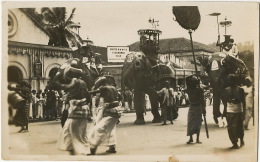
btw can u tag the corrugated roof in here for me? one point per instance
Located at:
(172, 45)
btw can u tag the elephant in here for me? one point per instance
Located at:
(139, 72)
(218, 67)
(60, 77)
(89, 75)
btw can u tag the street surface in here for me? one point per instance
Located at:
(138, 142)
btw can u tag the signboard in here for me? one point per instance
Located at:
(117, 53)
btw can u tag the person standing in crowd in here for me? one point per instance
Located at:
(196, 109)
(34, 104)
(179, 98)
(186, 98)
(132, 99)
(46, 109)
(104, 130)
(183, 100)
(98, 63)
(126, 103)
(248, 89)
(50, 104)
(147, 102)
(236, 106)
(93, 66)
(57, 105)
(129, 99)
(167, 102)
(21, 118)
(44, 105)
(74, 132)
(40, 102)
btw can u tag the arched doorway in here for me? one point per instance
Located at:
(14, 74)
(53, 72)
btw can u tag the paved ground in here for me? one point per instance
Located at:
(138, 142)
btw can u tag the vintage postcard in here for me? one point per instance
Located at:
(130, 81)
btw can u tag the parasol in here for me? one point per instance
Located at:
(188, 18)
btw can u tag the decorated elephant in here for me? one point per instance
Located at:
(218, 67)
(141, 74)
(89, 74)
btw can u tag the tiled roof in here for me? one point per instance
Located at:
(172, 45)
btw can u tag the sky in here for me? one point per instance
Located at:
(117, 23)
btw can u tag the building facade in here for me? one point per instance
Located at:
(29, 56)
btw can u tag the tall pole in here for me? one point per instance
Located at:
(190, 32)
(217, 14)
(225, 29)
(218, 35)
(204, 117)
(218, 25)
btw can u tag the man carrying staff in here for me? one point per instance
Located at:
(104, 130)
(236, 106)
(196, 109)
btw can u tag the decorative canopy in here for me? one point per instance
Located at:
(149, 31)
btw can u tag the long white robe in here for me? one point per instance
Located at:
(104, 130)
(73, 135)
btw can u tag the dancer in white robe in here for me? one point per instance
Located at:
(104, 130)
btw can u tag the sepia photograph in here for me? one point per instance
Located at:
(130, 81)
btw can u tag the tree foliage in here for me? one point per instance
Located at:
(57, 21)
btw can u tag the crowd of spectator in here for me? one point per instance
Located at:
(46, 105)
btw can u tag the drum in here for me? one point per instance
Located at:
(14, 99)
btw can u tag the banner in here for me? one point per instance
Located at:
(117, 53)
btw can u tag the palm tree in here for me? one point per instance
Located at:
(56, 22)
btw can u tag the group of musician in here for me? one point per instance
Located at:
(76, 136)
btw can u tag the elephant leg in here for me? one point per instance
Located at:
(153, 96)
(216, 105)
(139, 106)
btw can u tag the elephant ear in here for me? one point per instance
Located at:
(148, 66)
